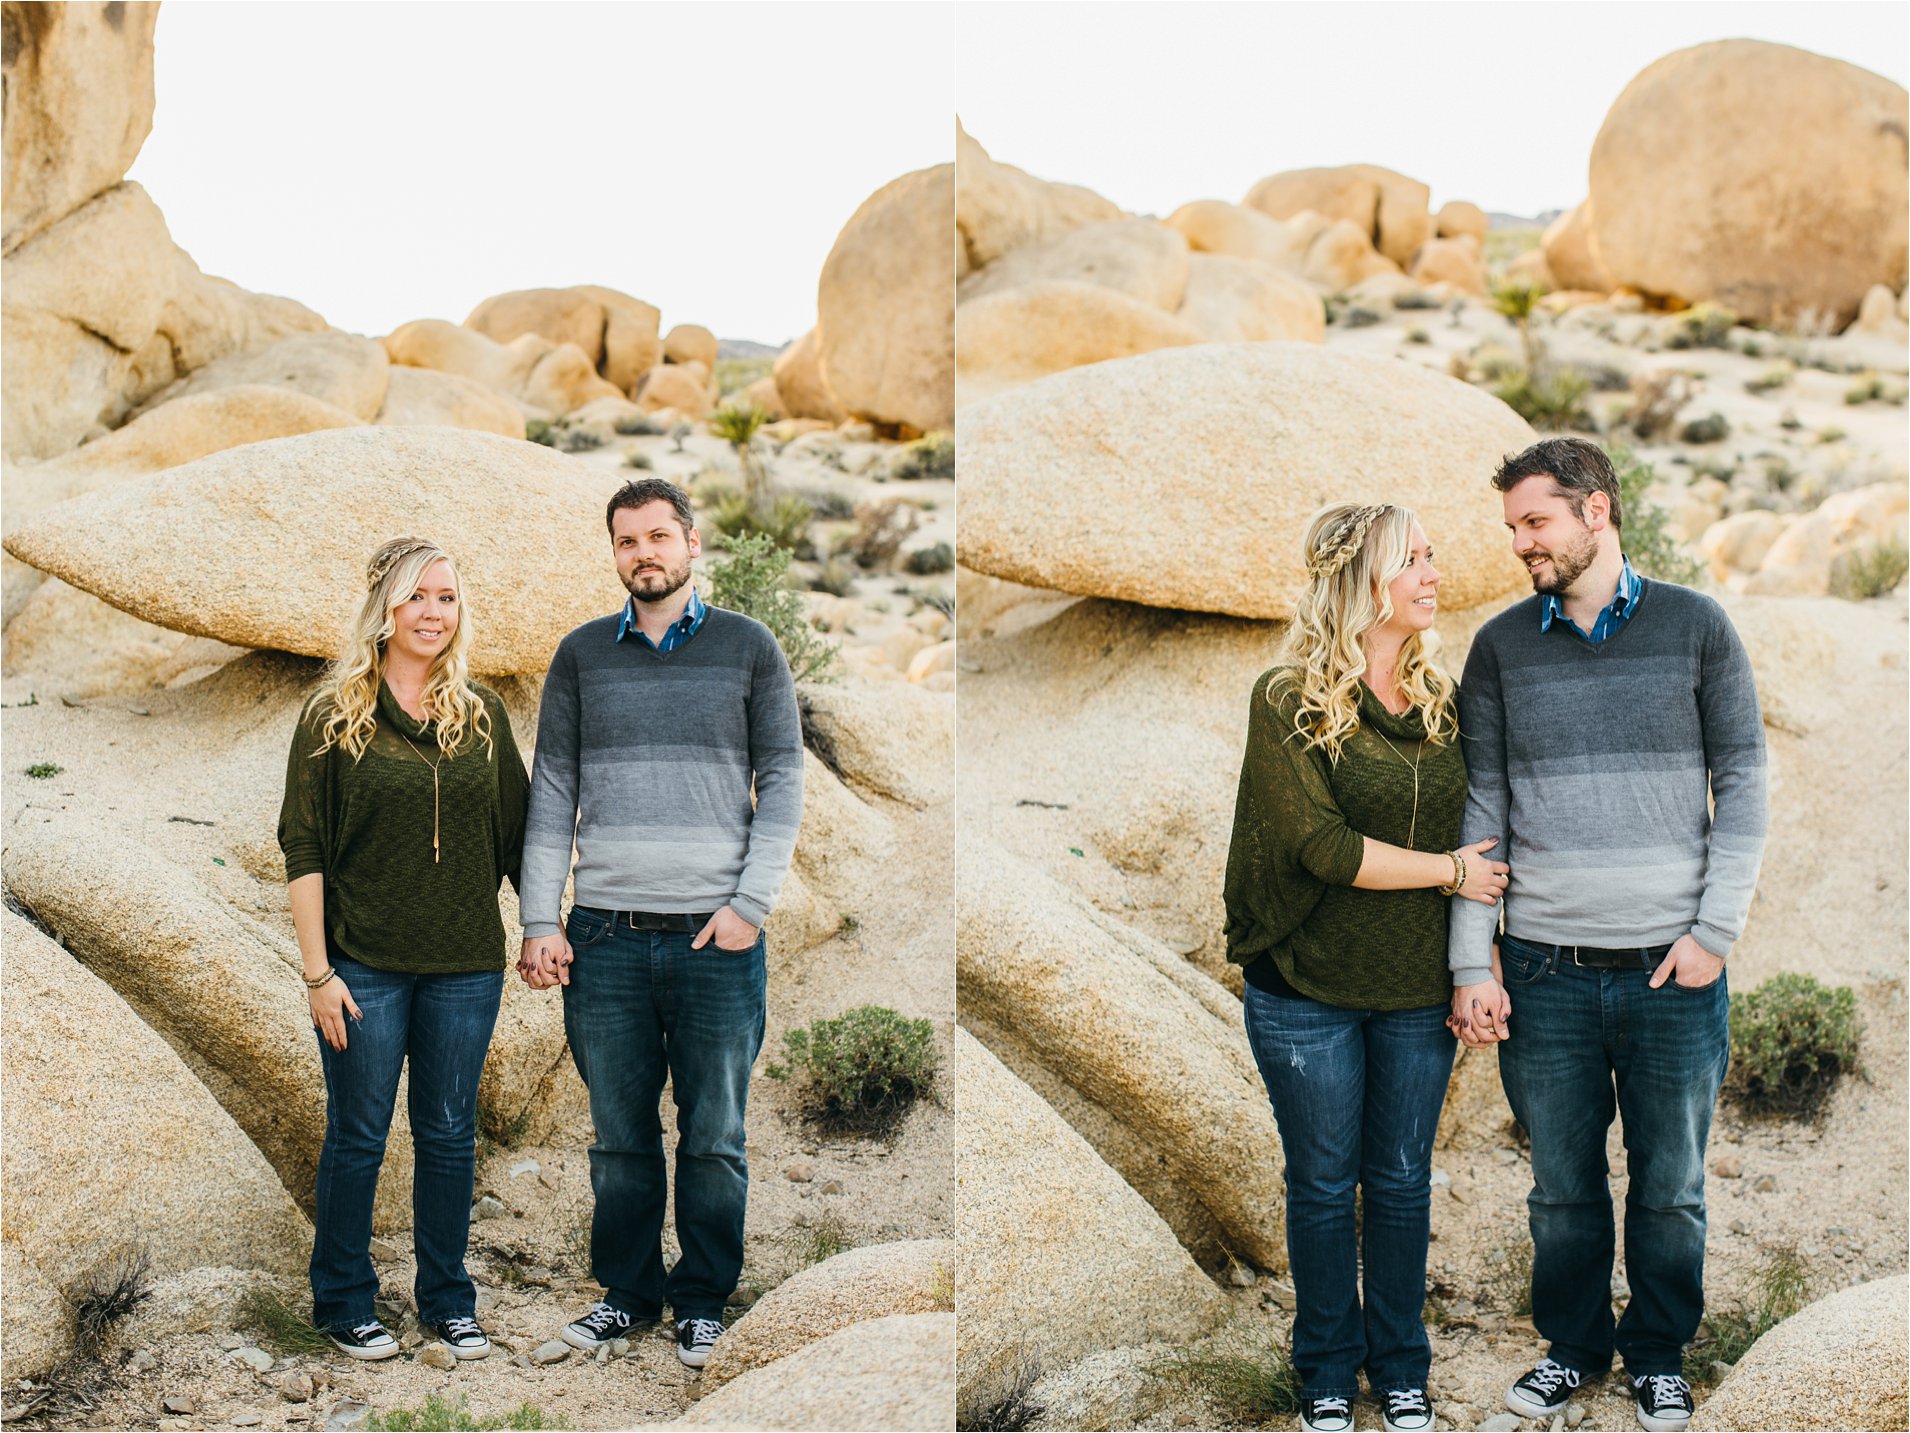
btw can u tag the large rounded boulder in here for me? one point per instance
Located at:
(202, 548)
(1570, 246)
(1761, 177)
(1391, 209)
(1027, 332)
(615, 332)
(1840, 1363)
(1000, 207)
(1184, 478)
(886, 305)
(1230, 300)
(1141, 258)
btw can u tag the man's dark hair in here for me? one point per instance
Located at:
(1577, 467)
(649, 490)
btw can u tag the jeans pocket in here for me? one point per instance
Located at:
(737, 950)
(1519, 964)
(584, 930)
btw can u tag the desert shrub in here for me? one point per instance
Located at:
(1869, 570)
(1781, 1287)
(1656, 397)
(1705, 325)
(1712, 428)
(267, 1316)
(637, 425)
(1606, 377)
(638, 460)
(835, 576)
(112, 1293)
(830, 504)
(751, 580)
(1780, 473)
(881, 529)
(577, 440)
(930, 456)
(783, 520)
(940, 599)
(1416, 299)
(678, 432)
(927, 561)
(439, 1415)
(810, 1244)
(1647, 538)
(44, 770)
(738, 423)
(1553, 398)
(538, 430)
(1492, 362)
(735, 374)
(864, 1069)
(1358, 317)
(1010, 1406)
(1249, 1381)
(1791, 1038)
(1770, 379)
(1418, 335)
(1831, 433)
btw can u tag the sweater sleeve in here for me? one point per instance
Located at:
(302, 818)
(513, 793)
(550, 823)
(1472, 927)
(1287, 782)
(775, 756)
(1734, 751)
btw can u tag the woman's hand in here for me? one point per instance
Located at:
(329, 1004)
(1482, 1012)
(1485, 880)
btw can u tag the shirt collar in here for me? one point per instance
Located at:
(692, 618)
(1629, 584)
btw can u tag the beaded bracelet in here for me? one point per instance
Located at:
(1458, 875)
(330, 971)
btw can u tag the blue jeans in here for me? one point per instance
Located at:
(443, 1024)
(1357, 1095)
(1586, 1044)
(641, 1006)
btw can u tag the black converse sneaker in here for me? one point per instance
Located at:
(463, 1337)
(695, 1338)
(1664, 1402)
(1406, 1410)
(1544, 1391)
(596, 1328)
(1331, 1414)
(367, 1340)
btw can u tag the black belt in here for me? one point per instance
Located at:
(1593, 957)
(650, 920)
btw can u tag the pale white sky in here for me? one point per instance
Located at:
(1155, 104)
(381, 162)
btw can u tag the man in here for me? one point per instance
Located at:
(655, 723)
(1598, 719)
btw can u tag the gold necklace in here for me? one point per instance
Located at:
(434, 765)
(1413, 830)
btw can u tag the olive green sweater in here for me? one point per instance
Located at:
(365, 824)
(1300, 823)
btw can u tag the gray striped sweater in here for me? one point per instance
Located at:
(647, 758)
(1597, 767)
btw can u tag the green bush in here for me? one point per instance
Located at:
(810, 1244)
(737, 424)
(1770, 379)
(1782, 1286)
(1554, 399)
(783, 520)
(864, 1069)
(1712, 428)
(1251, 1381)
(638, 425)
(931, 456)
(927, 561)
(1651, 548)
(1791, 1038)
(537, 430)
(836, 577)
(751, 580)
(577, 440)
(1357, 317)
(267, 1316)
(637, 460)
(439, 1415)
(1418, 335)
(1416, 299)
(1705, 325)
(1869, 570)
(42, 770)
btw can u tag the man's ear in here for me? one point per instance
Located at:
(1598, 511)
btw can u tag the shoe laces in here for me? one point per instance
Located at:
(365, 1333)
(1406, 1400)
(1332, 1403)
(602, 1317)
(1548, 1376)
(1667, 1389)
(461, 1328)
(702, 1330)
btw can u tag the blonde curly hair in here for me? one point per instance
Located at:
(350, 688)
(1353, 552)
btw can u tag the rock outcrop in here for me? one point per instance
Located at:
(1229, 300)
(420, 398)
(1760, 177)
(1390, 209)
(896, 740)
(1570, 246)
(1141, 258)
(616, 333)
(342, 369)
(1023, 333)
(1840, 1363)
(1058, 476)
(999, 207)
(800, 384)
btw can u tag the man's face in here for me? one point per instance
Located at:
(652, 550)
(1555, 545)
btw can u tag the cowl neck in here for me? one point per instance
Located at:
(1403, 726)
(389, 709)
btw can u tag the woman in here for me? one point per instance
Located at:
(404, 810)
(1349, 807)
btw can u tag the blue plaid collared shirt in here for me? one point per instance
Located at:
(1609, 620)
(680, 631)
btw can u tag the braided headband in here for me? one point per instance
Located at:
(1349, 537)
(391, 554)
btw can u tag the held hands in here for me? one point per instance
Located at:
(729, 930)
(1482, 1013)
(1485, 880)
(545, 961)
(330, 1002)
(1688, 964)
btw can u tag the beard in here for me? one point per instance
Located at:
(656, 584)
(1568, 564)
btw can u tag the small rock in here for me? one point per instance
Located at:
(488, 1207)
(1462, 1308)
(1730, 1167)
(523, 1167)
(436, 1355)
(1764, 1184)
(1284, 1297)
(620, 1346)
(1837, 1231)
(1574, 1414)
(556, 1351)
(800, 1172)
(1441, 1179)
(1240, 1276)
(486, 1301)
(744, 1296)
(810, 1149)
(832, 1186)
(142, 1361)
(347, 1413)
(245, 1420)
(1620, 1289)
(1739, 1226)
(297, 1387)
(1558, 1423)
(522, 1360)
(1719, 1367)
(1500, 1423)
(384, 1251)
(256, 1358)
(178, 1403)
(1506, 1156)
(603, 1354)
(232, 1343)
